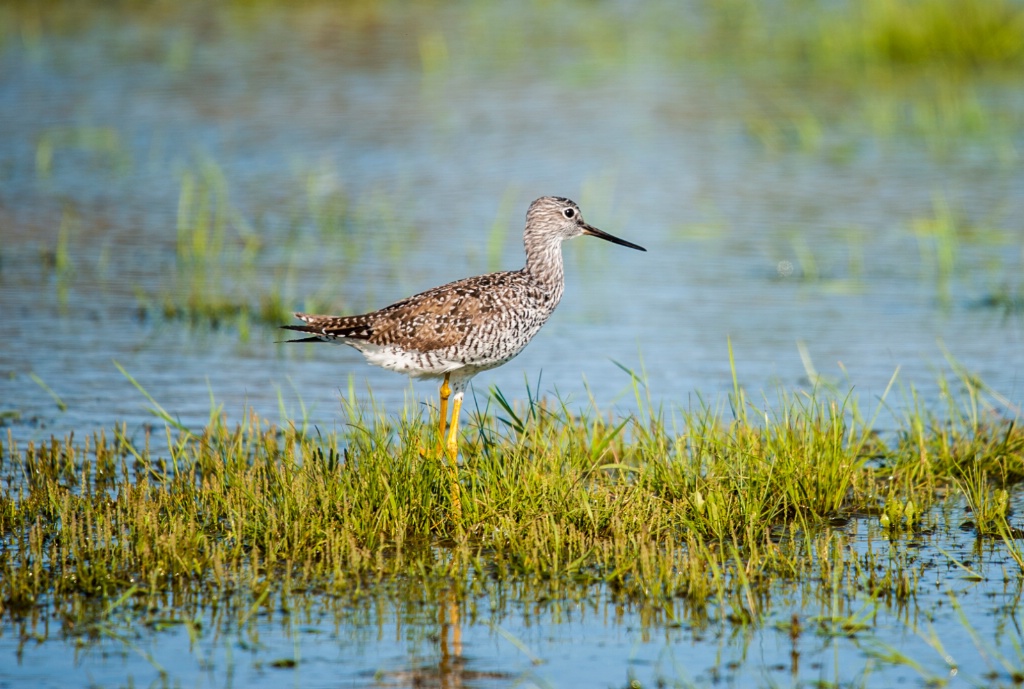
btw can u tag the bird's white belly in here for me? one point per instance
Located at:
(425, 364)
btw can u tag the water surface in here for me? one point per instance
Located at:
(354, 160)
(771, 247)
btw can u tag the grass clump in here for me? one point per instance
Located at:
(720, 523)
(224, 275)
(712, 511)
(213, 242)
(890, 34)
(951, 33)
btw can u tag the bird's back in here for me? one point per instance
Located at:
(481, 321)
(469, 325)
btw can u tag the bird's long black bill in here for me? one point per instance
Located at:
(594, 232)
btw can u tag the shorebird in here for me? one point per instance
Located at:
(457, 330)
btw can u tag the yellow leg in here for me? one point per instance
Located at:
(453, 457)
(445, 394)
(453, 432)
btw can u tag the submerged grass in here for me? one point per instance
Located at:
(223, 275)
(215, 280)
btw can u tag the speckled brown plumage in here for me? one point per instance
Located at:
(471, 325)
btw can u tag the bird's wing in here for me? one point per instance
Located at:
(445, 316)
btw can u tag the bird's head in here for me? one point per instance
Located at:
(555, 216)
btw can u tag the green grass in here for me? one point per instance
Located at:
(941, 233)
(965, 35)
(946, 33)
(889, 35)
(688, 515)
(219, 277)
(61, 405)
(103, 143)
(712, 519)
(549, 493)
(226, 274)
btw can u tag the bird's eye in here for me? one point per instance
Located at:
(569, 213)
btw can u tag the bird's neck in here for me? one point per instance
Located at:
(544, 265)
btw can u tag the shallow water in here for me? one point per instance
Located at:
(771, 245)
(953, 631)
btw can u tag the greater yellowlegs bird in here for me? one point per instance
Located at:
(457, 330)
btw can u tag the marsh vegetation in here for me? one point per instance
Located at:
(784, 451)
